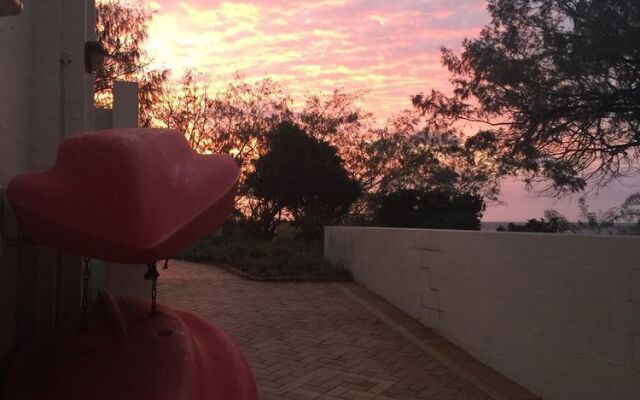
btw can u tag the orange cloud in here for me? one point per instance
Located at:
(389, 48)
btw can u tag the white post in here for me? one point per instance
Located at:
(126, 278)
(125, 104)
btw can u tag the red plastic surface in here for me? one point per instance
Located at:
(127, 195)
(126, 354)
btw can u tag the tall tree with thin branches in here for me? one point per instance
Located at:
(557, 85)
(122, 31)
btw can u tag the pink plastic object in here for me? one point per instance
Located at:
(126, 354)
(126, 195)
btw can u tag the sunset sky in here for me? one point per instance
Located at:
(389, 47)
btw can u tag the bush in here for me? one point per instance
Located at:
(436, 209)
(305, 177)
(281, 256)
(553, 222)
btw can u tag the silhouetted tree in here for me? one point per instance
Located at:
(406, 154)
(338, 120)
(553, 222)
(437, 209)
(235, 120)
(303, 176)
(558, 81)
(122, 30)
(623, 220)
(629, 210)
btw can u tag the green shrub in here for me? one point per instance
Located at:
(553, 222)
(283, 255)
(411, 208)
(303, 176)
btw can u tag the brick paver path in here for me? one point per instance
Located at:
(330, 341)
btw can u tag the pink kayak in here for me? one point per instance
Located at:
(127, 195)
(126, 354)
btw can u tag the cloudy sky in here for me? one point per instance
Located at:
(389, 47)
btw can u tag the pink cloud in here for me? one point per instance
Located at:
(390, 48)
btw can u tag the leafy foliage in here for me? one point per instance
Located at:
(306, 177)
(405, 154)
(410, 208)
(281, 256)
(624, 219)
(337, 120)
(558, 82)
(553, 222)
(234, 121)
(621, 220)
(122, 31)
(409, 155)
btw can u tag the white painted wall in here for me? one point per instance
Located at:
(15, 35)
(14, 95)
(559, 314)
(37, 293)
(42, 102)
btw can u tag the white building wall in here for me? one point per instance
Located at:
(15, 36)
(37, 291)
(559, 314)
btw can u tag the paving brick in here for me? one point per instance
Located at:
(310, 341)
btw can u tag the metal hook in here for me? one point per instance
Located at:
(86, 293)
(152, 273)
